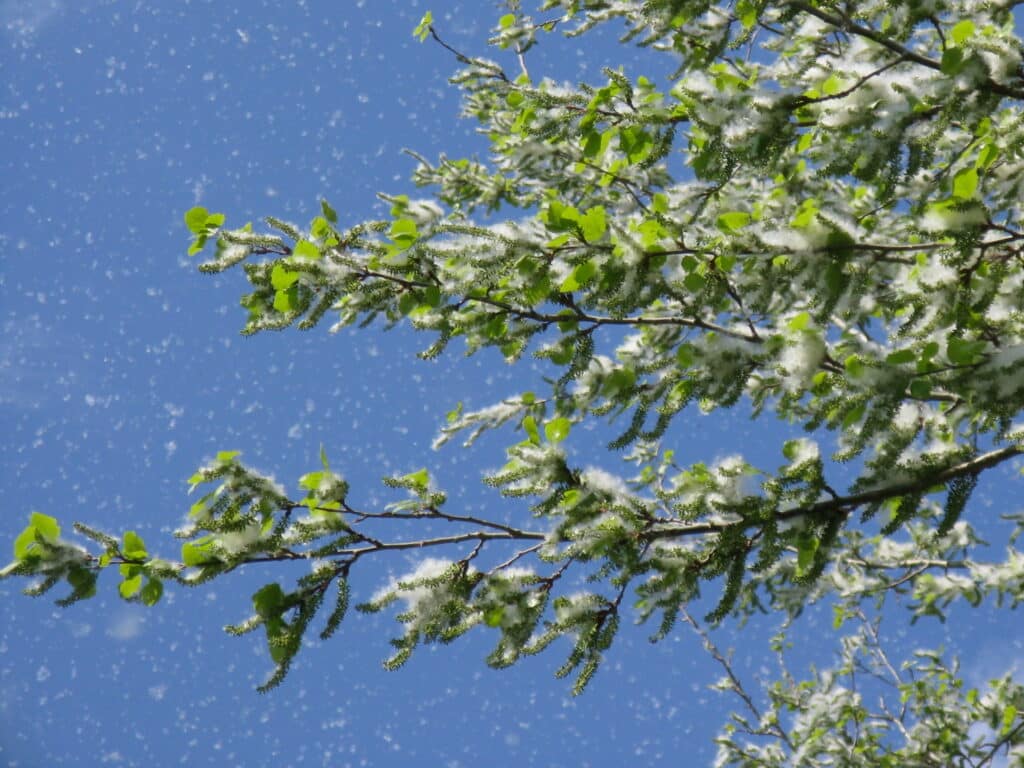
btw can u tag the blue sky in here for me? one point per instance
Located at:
(121, 370)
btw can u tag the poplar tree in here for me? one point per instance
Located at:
(812, 211)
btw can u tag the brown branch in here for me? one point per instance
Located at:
(843, 505)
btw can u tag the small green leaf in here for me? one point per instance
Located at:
(197, 552)
(900, 357)
(530, 425)
(268, 602)
(282, 278)
(799, 322)
(197, 245)
(225, 457)
(921, 389)
(507, 20)
(833, 85)
(423, 28)
(964, 352)
(965, 183)
(593, 224)
(952, 61)
(329, 213)
(580, 276)
(557, 430)
(961, 31)
(195, 219)
(306, 250)
(694, 282)
(152, 592)
(404, 232)
(132, 546)
(25, 543)
(419, 479)
(1009, 715)
(129, 587)
(807, 548)
(46, 526)
(685, 356)
(854, 365)
(286, 300)
(311, 480)
(733, 221)
(494, 615)
(805, 214)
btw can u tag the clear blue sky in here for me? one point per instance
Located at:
(121, 370)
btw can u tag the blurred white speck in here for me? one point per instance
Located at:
(512, 739)
(270, 192)
(242, 35)
(295, 432)
(42, 674)
(363, 98)
(156, 692)
(170, 447)
(125, 626)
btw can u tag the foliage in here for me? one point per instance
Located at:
(813, 209)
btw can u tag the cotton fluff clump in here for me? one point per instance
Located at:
(800, 360)
(422, 601)
(236, 542)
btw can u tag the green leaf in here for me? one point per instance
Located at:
(152, 592)
(25, 543)
(799, 322)
(404, 232)
(197, 245)
(494, 615)
(1009, 715)
(195, 219)
(807, 548)
(593, 224)
(965, 183)
(507, 20)
(268, 602)
(964, 352)
(962, 31)
(286, 300)
(132, 546)
(530, 425)
(311, 480)
(952, 61)
(129, 587)
(423, 28)
(45, 525)
(694, 282)
(580, 276)
(198, 552)
(282, 278)
(805, 214)
(329, 213)
(420, 479)
(833, 85)
(306, 250)
(557, 430)
(733, 221)
(900, 357)
(685, 355)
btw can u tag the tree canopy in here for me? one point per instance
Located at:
(812, 211)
